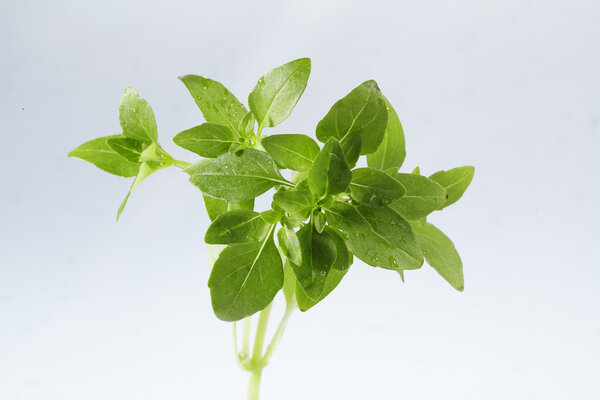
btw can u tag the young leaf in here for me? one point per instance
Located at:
(206, 140)
(136, 117)
(290, 245)
(99, 153)
(276, 93)
(218, 105)
(336, 273)
(455, 181)
(236, 177)
(237, 226)
(319, 221)
(318, 255)
(389, 244)
(374, 187)
(246, 125)
(295, 151)
(271, 216)
(440, 253)
(362, 112)
(391, 151)
(423, 196)
(330, 173)
(293, 201)
(245, 279)
(129, 149)
(215, 207)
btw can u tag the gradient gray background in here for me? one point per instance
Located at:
(93, 309)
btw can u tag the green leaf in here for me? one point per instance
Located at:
(416, 171)
(374, 187)
(455, 181)
(276, 93)
(293, 201)
(246, 125)
(318, 255)
(236, 177)
(362, 112)
(145, 171)
(136, 117)
(245, 279)
(206, 140)
(237, 226)
(289, 284)
(352, 150)
(293, 151)
(319, 221)
(99, 153)
(271, 216)
(290, 245)
(423, 196)
(346, 218)
(218, 105)
(336, 273)
(154, 154)
(389, 244)
(129, 149)
(440, 253)
(330, 173)
(391, 151)
(215, 207)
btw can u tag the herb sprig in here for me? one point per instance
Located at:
(327, 214)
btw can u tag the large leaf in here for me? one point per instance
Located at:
(336, 273)
(294, 201)
(318, 255)
(362, 112)
(245, 279)
(346, 217)
(236, 177)
(276, 93)
(129, 149)
(374, 187)
(293, 151)
(389, 244)
(392, 150)
(136, 117)
(330, 173)
(218, 105)
(206, 140)
(237, 226)
(99, 153)
(455, 181)
(440, 253)
(423, 196)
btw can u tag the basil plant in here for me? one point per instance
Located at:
(325, 211)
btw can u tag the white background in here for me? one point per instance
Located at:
(93, 309)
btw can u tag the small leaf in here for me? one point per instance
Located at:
(423, 196)
(276, 93)
(271, 216)
(318, 255)
(99, 153)
(440, 253)
(374, 187)
(416, 171)
(290, 245)
(362, 112)
(215, 207)
(352, 150)
(207, 140)
(295, 151)
(293, 201)
(391, 151)
(389, 244)
(237, 226)
(129, 149)
(236, 177)
(246, 126)
(336, 273)
(330, 173)
(136, 117)
(319, 221)
(455, 181)
(245, 279)
(218, 105)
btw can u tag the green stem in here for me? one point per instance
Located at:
(279, 332)
(261, 330)
(246, 342)
(254, 384)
